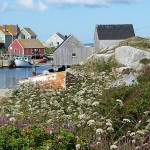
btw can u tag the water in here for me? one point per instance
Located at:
(9, 78)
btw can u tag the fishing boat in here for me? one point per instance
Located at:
(28, 61)
(23, 61)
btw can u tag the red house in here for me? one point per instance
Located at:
(26, 47)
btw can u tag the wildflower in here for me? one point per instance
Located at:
(132, 134)
(108, 124)
(58, 137)
(91, 122)
(78, 146)
(119, 102)
(126, 120)
(83, 116)
(133, 141)
(108, 120)
(12, 119)
(95, 103)
(99, 131)
(113, 147)
(141, 132)
(50, 131)
(95, 113)
(146, 112)
(110, 129)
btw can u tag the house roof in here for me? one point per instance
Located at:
(61, 36)
(115, 32)
(30, 31)
(10, 29)
(30, 43)
(63, 42)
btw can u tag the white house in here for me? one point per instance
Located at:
(55, 40)
(110, 35)
(28, 33)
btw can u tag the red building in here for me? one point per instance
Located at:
(26, 47)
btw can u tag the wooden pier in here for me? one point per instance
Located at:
(6, 62)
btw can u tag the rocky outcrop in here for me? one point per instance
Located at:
(129, 56)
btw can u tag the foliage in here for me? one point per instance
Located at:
(137, 42)
(97, 66)
(145, 61)
(89, 114)
(35, 137)
(49, 50)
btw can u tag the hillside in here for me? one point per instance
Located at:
(91, 114)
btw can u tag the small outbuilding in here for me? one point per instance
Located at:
(110, 35)
(70, 52)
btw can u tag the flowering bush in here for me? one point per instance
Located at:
(88, 115)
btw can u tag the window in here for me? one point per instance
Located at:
(73, 54)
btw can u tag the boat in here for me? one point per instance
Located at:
(23, 61)
(28, 61)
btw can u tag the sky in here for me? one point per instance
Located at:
(76, 17)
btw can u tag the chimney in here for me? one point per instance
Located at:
(4, 28)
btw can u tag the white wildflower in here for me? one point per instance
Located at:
(82, 116)
(91, 122)
(95, 113)
(109, 124)
(146, 112)
(99, 131)
(148, 120)
(119, 102)
(49, 121)
(113, 147)
(132, 134)
(110, 129)
(126, 120)
(138, 147)
(78, 146)
(133, 141)
(7, 115)
(108, 120)
(95, 103)
(12, 119)
(141, 132)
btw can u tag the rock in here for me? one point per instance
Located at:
(46, 72)
(129, 56)
(127, 80)
(104, 57)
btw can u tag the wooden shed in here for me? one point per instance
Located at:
(70, 52)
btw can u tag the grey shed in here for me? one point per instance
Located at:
(70, 52)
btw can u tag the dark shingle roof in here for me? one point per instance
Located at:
(115, 32)
(61, 36)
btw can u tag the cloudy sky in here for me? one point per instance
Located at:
(77, 17)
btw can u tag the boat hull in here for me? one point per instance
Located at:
(22, 63)
(42, 60)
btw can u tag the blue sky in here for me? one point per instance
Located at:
(77, 17)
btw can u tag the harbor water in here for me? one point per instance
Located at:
(9, 78)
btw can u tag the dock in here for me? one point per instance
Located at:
(6, 63)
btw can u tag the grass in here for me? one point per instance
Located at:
(137, 42)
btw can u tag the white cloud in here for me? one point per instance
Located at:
(31, 5)
(42, 5)
(91, 2)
